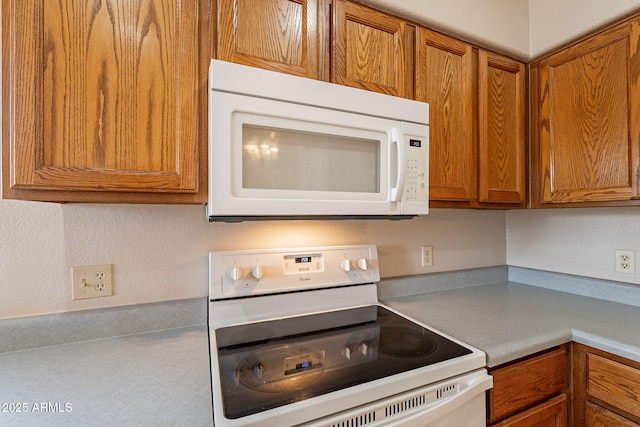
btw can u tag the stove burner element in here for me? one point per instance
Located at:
(397, 341)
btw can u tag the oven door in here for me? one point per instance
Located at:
(458, 402)
(273, 158)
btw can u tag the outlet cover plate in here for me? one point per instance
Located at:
(92, 281)
(427, 256)
(625, 261)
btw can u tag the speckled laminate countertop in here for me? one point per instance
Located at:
(149, 364)
(510, 320)
(156, 378)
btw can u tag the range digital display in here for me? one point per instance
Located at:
(415, 143)
(303, 264)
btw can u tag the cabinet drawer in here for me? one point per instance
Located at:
(552, 413)
(614, 383)
(527, 383)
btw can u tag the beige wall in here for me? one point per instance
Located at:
(575, 241)
(553, 23)
(160, 252)
(522, 28)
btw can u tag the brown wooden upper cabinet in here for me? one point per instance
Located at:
(278, 35)
(477, 124)
(502, 171)
(101, 101)
(445, 78)
(369, 49)
(586, 120)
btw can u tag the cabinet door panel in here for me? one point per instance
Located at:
(614, 383)
(606, 389)
(600, 417)
(444, 79)
(502, 134)
(369, 49)
(101, 96)
(589, 132)
(280, 35)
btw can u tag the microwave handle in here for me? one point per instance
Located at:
(397, 137)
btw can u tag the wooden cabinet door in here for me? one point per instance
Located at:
(606, 389)
(102, 98)
(368, 49)
(589, 131)
(600, 417)
(444, 77)
(278, 35)
(502, 171)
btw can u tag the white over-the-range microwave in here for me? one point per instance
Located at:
(283, 146)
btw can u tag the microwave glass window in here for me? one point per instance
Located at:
(285, 159)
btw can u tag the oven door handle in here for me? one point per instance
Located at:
(475, 387)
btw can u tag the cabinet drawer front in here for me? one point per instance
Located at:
(614, 383)
(552, 413)
(524, 384)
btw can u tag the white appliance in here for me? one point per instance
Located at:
(298, 338)
(288, 146)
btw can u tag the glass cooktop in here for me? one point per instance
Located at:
(269, 364)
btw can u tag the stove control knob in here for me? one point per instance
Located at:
(258, 370)
(346, 352)
(345, 265)
(258, 271)
(362, 264)
(235, 273)
(363, 348)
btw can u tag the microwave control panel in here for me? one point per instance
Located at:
(416, 184)
(416, 188)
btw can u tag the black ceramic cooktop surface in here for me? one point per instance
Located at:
(269, 364)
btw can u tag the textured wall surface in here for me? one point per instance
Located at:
(160, 252)
(574, 241)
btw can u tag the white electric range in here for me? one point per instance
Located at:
(298, 338)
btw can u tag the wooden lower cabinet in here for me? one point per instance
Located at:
(606, 389)
(530, 392)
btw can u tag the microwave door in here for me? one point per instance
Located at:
(272, 158)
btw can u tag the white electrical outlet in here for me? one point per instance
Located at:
(625, 261)
(427, 256)
(92, 281)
